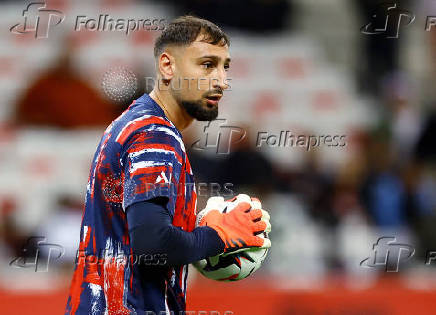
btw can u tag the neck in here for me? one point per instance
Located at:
(174, 112)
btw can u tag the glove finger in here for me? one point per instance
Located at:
(257, 241)
(242, 206)
(260, 226)
(256, 214)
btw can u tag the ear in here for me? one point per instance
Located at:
(166, 66)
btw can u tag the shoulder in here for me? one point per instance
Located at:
(141, 124)
(151, 135)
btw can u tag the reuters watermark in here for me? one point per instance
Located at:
(116, 192)
(287, 139)
(176, 190)
(199, 83)
(120, 84)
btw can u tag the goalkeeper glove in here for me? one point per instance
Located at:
(237, 228)
(218, 203)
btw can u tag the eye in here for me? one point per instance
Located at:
(226, 67)
(207, 65)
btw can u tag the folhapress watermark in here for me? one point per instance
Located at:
(286, 138)
(220, 137)
(105, 23)
(107, 256)
(39, 20)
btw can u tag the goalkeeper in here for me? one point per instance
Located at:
(129, 212)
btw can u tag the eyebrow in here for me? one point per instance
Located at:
(214, 57)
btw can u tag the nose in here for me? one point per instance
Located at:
(220, 82)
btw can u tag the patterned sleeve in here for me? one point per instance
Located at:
(152, 163)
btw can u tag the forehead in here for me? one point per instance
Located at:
(199, 48)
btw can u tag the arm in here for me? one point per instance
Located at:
(151, 232)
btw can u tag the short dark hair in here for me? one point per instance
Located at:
(185, 29)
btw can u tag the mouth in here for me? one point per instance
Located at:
(213, 100)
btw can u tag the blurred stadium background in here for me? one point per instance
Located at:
(301, 66)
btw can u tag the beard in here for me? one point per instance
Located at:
(201, 112)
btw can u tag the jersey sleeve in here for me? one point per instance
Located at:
(151, 164)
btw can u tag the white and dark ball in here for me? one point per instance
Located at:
(232, 266)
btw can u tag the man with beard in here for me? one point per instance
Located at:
(139, 231)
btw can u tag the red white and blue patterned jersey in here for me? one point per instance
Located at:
(141, 155)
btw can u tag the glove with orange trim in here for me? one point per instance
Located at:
(238, 228)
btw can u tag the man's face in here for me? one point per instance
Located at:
(200, 77)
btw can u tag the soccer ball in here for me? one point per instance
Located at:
(232, 266)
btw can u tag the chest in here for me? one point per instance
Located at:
(186, 200)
